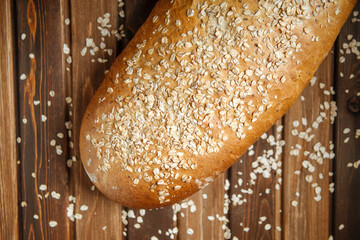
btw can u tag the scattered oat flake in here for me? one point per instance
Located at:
(267, 227)
(83, 51)
(53, 142)
(23, 36)
(55, 195)
(43, 187)
(84, 208)
(22, 76)
(60, 135)
(36, 216)
(190, 231)
(142, 212)
(23, 204)
(59, 150)
(52, 223)
(67, 21)
(131, 214)
(341, 226)
(66, 49)
(43, 118)
(313, 81)
(296, 123)
(31, 56)
(69, 59)
(346, 130)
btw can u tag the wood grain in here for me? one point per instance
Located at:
(347, 178)
(103, 219)
(309, 218)
(9, 220)
(258, 199)
(193, 219)
(42, 166)
(154, 222)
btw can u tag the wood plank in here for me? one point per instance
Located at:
(144, 224)
(103, 219)
(256, 199)
(9, 219)
(347, 176)
(42, 116)
(305, 213)
(202, 215)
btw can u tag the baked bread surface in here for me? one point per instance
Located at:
(198, 84)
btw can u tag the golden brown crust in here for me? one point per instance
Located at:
(277, 50)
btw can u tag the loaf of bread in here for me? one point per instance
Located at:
(198, 84)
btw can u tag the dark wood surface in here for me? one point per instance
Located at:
(42, 181)
(9, 203)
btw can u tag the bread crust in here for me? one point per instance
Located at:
(269, 41)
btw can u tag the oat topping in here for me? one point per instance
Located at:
(214, 83)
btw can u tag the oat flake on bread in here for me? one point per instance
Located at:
(199, 83)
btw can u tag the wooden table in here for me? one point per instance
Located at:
(310, 194)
